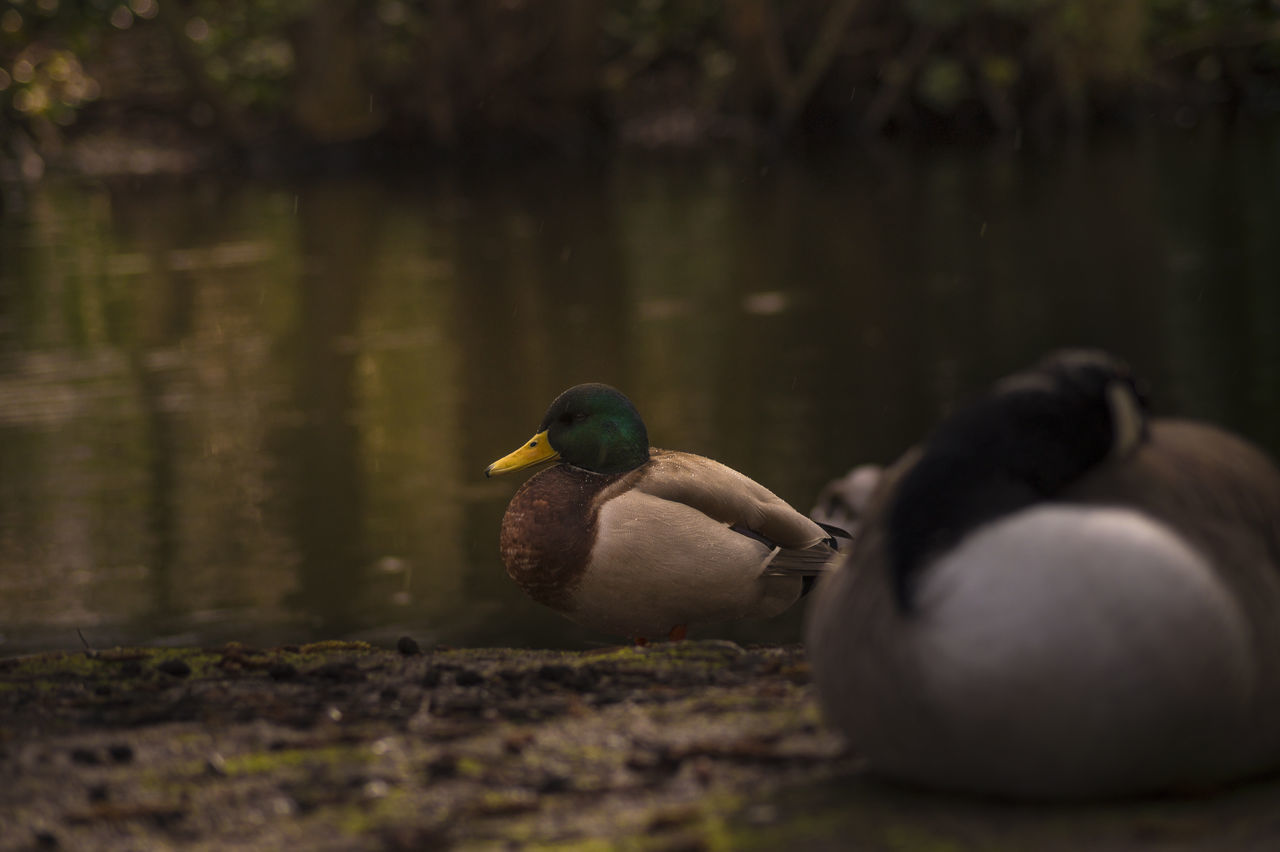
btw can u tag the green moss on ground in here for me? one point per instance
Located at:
(695, 745)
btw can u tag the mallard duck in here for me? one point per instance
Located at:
(640, 542)
(1058, 596)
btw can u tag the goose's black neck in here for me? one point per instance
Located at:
(1031, 436)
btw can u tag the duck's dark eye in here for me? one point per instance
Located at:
(572, 417)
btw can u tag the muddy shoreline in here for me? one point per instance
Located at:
(345, 746)
(338, 745)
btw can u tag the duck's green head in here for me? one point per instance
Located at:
(591, 426)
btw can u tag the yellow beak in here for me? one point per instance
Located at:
(536, 449)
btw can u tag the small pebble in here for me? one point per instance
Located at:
(282, 671)
(554, 782)
(555, 672)
(586, 679)
(86, 757)
(174, 666)
(121, 753)
(408, 646)
(673, 816)
(468, 677)
(444, 766)
(47, 840)
(517, 742)
(216, 765)
(644, 760)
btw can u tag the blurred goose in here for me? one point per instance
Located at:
(843, 501)
(1056, 597)
(641, 542)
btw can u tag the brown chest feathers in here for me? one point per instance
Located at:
(549, 530)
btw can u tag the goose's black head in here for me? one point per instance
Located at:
(1032, 435)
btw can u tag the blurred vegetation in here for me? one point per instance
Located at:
(572, 75)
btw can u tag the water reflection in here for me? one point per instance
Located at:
(262, 412)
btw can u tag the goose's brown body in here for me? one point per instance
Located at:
(1120, 638)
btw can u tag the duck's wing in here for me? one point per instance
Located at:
(684, 539)
(728, 497)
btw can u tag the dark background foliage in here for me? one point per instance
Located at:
(575, 76)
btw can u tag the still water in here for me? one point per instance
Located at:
(262, 411)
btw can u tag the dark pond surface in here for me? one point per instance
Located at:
(262, 411)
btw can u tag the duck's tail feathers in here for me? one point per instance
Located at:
(809, 562)
(837, 538)
(806, 562)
